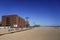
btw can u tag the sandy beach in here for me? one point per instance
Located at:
(37, 33)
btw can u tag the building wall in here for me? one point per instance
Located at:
(3, 20)
(13, 20)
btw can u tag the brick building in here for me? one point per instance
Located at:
(0, 22)
(13, 20)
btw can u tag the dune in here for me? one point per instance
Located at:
(37, 33)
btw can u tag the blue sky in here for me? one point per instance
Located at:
(42, 12)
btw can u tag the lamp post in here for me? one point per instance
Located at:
(27, 22)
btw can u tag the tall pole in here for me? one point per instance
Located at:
(27, 22)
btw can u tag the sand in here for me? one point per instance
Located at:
(38, 33)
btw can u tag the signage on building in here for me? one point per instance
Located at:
(15, 25)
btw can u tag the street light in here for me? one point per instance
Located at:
(27, 22)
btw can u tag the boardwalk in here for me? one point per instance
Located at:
(39, 33)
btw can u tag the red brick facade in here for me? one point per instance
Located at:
(10, 20)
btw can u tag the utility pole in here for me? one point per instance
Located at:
(27, 22)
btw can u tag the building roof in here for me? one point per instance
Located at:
(11, 15)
